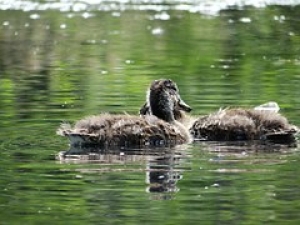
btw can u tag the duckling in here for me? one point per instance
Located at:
(159, 128)
(237, 124)
(243, 124)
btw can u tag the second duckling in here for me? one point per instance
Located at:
(243, 124)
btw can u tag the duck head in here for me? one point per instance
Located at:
(163, 100)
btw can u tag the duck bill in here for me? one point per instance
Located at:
(145, 109)
(183, 106)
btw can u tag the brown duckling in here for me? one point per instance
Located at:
(238, 124)
(159, 128)
(243, 124)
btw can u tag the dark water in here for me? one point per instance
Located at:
(60, 66)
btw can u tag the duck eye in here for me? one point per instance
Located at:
(167, 83)
(171, 86)
(172, 90)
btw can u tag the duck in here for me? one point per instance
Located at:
(239, 124)
(263, 123)
(159, 128)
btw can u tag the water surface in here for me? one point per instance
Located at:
(60, 65)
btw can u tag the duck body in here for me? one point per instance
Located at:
(123, 130)
(159, 128)
(242, 125)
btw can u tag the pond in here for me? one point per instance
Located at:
(60, 63)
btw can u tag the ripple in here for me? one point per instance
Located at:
(162, 16)
(245, 20)
(34, 16)
(157, 31)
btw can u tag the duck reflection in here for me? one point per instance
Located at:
(162, 165)
(241, 148)
(162, 175)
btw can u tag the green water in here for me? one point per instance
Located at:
(62, 66)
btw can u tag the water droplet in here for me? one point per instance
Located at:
(70, 15)
(280, 18)
(91, 42)
(34, 16)
(128, 61)
(157, 31)
(162, 16)
(63, 26)
(87, 15)
(116, 14)
(245, 20)
(291, 33)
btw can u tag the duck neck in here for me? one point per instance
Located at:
(161, 106)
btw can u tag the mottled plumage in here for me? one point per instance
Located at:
(159, 128)
(243, 124)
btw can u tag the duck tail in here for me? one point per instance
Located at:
(77, 137)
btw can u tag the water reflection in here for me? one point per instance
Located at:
(162, 165)
(165, 167)
(246, 147)
(162, 175)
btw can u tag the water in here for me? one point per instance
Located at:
(58, 65)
